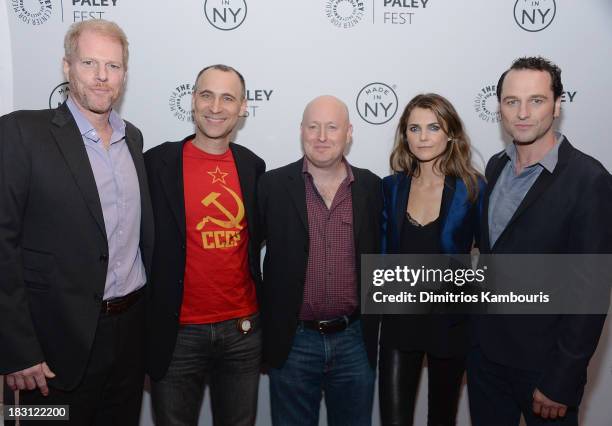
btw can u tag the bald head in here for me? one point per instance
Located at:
(326, 132)
(326, 105)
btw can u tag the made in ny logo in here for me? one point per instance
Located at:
(32, 12)
(377, 103)
(534, 15)
(180, 102)
(225, 15)
(59, 95)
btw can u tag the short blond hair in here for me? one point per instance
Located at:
(99, 26)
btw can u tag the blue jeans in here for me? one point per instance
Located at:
(499, 394)
(335, 365)
(217, 354)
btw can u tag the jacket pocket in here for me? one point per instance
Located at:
(37, 269)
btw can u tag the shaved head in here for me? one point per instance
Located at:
(328, 103)
(325, 132)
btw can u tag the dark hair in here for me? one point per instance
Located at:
(224, 68)
(456, 160)
(536, 63)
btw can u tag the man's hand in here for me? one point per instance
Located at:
(31, 378)
(547, 408)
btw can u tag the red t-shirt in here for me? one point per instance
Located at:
(218, 283)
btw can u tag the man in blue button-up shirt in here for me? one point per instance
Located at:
(76, 234)
(544, 197)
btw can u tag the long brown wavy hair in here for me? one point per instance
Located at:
(456, 161)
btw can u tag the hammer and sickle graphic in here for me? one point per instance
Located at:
(232, 221)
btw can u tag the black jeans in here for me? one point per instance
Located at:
(220, 355)
(399, 381)
(110, 392)
(499, 394)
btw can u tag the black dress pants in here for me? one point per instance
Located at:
(110, 392)
(399, 381)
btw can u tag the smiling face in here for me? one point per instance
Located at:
(96, 73)
(325, 132)
(527, 106)
(426, 137)
(217, 104)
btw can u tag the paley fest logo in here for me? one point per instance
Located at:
(257, 98)
(33, 12)
(399, 12)
(180, 101)
(89, 9)
(349, 13)
(58, 95)
(345, 13)
(377, 103)
(534, 15)
(487, 106)
(225, 15)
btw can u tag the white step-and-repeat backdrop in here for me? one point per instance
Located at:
(374, 54)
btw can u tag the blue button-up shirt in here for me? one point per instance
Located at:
(510, 188)
(119, 193)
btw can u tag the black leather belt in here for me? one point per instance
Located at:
(333, 325)
(121, 304)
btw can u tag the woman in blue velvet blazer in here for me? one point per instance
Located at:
(432, 206)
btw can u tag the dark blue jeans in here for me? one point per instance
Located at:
(499, 394)
(335, 366)
(220, 355)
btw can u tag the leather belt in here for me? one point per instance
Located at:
(333, 325)
(121, 304)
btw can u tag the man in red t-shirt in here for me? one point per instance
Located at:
(203, 323)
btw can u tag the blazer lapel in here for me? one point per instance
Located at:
(172, 182)
(146, 209)
(70, 143)
(297, 192)
(401, 204)
(496, 170)
(448, 192)
(246, 177)
(138, 160)
(539, 187)
(360, 198)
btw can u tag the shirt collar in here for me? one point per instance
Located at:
(87, 129)
(549, 162)
(349, 170)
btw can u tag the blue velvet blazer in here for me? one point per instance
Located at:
(443, 336)
(459, 221)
